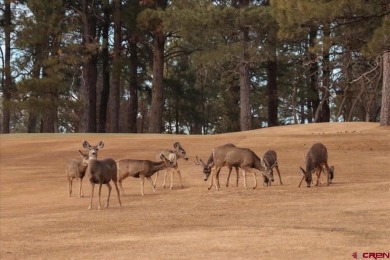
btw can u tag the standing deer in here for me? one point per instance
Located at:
(75, 169)
(231, 156)
(141, 169)
(101, 172)
(172, 155)
(270, 160)
(316, 158)
(207, 167)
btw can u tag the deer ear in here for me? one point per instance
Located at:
(303, 171)
(86, 145)
(100, 145)
(176, 145)
(162, 157)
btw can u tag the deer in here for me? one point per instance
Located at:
(232, 156)
(101, 172)
(270, 159)
(142, 169)
(207, 167)
(75, 169)
(316, 160)
(172, 155)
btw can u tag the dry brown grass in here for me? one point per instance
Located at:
(39, 220)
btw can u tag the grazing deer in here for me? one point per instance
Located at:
(316, 159)
(270, 160)
(141, 169)
(101, 172)
(207, 167)
(231, 156)
(172, 155)
(75, 169)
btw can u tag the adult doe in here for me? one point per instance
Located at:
(101, 172)
(316, 159)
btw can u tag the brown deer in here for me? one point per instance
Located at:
(316, 159)
(141, 169)
(75, 169)
(207, 167)
(172, 155)
(270, 159)
(232, 156)
(101, 172)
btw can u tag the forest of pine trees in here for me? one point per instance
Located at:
(191, 66)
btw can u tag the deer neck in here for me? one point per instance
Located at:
(157, 166)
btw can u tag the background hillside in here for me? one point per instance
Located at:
(39, 220)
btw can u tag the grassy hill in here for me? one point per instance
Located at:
(38, 219)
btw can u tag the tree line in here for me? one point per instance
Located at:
(192, 66)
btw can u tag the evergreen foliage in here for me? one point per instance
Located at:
(192, 66)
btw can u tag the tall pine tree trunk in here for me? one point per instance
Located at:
(7, 69)
(89, 71)
(323, 110)
(313, 98)
(385, 109)
(133, 87)
(105, 70)
(114, 99)
(157, 83)
(245, 109)
(272, 90)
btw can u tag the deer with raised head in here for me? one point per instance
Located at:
(270, 159)
(172, 155)
(101, 172)
(75, 169)
(231, 156)
(141, 169)
(316, 159)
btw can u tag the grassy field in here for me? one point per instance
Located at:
(38, 219)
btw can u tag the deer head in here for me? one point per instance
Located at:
(85, 158)
(206, 167)
(307, 176)
(93, 149)
(180, 152)
(169, 163)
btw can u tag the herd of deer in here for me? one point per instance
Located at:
(106, 170)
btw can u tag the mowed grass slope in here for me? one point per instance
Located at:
(38, 219)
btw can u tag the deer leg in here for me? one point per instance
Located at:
(142, 179)
(165, 177)
(255, 180)
(280, 178)
(227, 181)
(318, 173)
(100, 191)
(327, 174)
(151, 182)
(217, 186)
(117, 192)
(237, 176)
(244, 176)
(93, 187)
(70, 187)
(120, 179)
(212, 178)
(81, 189)
(179, 174)
(109, 193)
(172, 176)
(155, 179)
